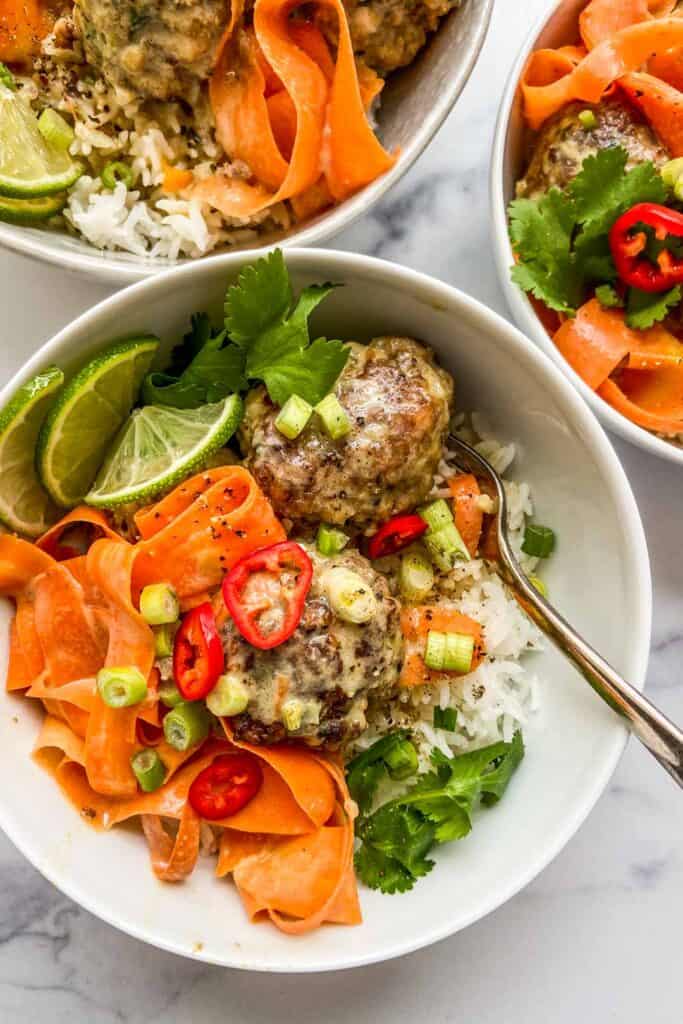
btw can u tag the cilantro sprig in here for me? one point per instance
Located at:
(394, 840)
(265, 338)
(561, 239)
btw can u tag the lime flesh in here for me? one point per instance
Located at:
(24, 506)
(79, 428)
(30, 167)
(159, 446)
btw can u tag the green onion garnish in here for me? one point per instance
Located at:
(55, 130)
(539, 541)
(445, 718)
(148, 769)
(186, 725)
(446, 547)
(293, 416)
(401, 760)
(333, 416)
(330, 541)
(116, 172)
(588, 120)
(541, 587)
(7, 78)
(416, 576)
(671, 171)
(229, 697)
(449, 652)
(163, 640)
(292, 713)
(436, 514)
(159, 604)
(121, 687)
(170, 695)
(350, 596)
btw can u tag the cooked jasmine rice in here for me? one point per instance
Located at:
(502, 693)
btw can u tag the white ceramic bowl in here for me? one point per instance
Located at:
(415, 102)
(599, 577)
(554, 29)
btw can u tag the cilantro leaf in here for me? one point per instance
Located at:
(395, 842)
(217, 370)
(541, 233)
(643, 309)
(261, 298)
(608, 297)
(310, 373)
(365, 771)
(310, 297)
(603, 189)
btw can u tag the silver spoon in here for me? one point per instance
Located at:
(662, 738)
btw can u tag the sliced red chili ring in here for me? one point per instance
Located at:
(396, 534)
(265, 593)
(226, 786)
(197, 653)
(628, 249)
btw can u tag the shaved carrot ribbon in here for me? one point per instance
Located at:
(416, 623)
(600, 19)
(648, 386)
(23, 25)
(317, 127)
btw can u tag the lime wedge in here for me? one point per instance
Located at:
(30, 166)
(24, 506)
(31, 211)
(159, 446)
(80, 426)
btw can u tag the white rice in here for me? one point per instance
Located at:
(502, 693)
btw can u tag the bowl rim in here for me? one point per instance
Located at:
(441, 296)
(518, 302)
(122, 269)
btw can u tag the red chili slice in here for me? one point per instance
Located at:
(628, 249)
(226, 786)
(396, 534)
(197, 653)
(266, 611)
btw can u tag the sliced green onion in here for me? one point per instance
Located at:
(539, 541)
(159, 604)
(671, 171)
(459, 652)
(541, 587)
(350, 597)
(588, 120)
(7, 78)
(116, 172)
(450, 652)
(446, 547)
(415, 577)
(148, 769)
(436, 514)
(293, 416)
(292, 713)
(229, 696)
(186, 725)
(608, 297)
(55, 129)
(330, 541)
(170, 695)
(334, 418)
(435, 651)
(445, 718)
(401, 760)
(163, 640)
(121, 687)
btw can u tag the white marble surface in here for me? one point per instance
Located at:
(596, 936)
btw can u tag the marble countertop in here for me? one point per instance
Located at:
(596, 936)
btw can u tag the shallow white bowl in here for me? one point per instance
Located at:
(554, 29)
(599, 577)
(415, 102)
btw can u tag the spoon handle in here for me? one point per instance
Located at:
(662, 738)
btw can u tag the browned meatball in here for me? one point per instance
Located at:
(315, 686)
(563, 144)
(399, 404)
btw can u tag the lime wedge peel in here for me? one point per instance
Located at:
(25, 506)
(87, 415)
(30, 167)
(160, 446)
(31, 211)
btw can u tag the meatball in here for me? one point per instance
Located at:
(156, 48)
(563, 144)
(399, 404)
(327, 670)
